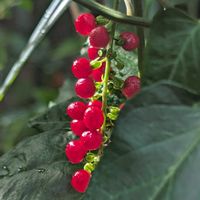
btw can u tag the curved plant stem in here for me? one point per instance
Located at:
(129, 7)
(140, 32)
(53, 12)
(113, 14)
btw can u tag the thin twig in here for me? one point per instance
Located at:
(53, 12)
(112, 14)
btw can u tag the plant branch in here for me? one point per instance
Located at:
(140, 32)
(53, 12)
(113, 14)
(129, 7)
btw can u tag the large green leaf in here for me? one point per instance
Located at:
(173, 49)
(37, 169)
(154, 153)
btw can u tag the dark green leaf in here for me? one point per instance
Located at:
(172, 50)
(37, 169)
(154, 153)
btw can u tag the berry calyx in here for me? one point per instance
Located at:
(80, 180)
(81, 68)
(75, 151)
(85, 23)
(131, 41)
(97, 74)
(92, 140)
(78, 127)
(76, 110)
(93, 52)
(93, 118)
(131, 86)
(85, 88)
(99, 37)
(95, 103)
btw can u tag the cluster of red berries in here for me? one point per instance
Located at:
(86, 123)
(88, 118)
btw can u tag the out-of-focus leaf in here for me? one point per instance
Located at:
(172, 50)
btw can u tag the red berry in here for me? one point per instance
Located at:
(93, 118)
(92, 140)
(75, 151)
(85, 23)
(131, 86)
(81, 68)
(93, 53)
(78, 127)
(85, 88)
(98, 73)
(99, 37)
(76, 110)
(121, 106)
(80, 180)
(95, 103)
(131, 41)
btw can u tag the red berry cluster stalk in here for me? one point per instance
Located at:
(93, 115)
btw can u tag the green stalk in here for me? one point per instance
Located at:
(107, 70)
(113, 14)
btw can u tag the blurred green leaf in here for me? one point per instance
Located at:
(69, 47)
(26, 4)
(172, 50)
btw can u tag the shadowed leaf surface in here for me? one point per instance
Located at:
(172, 50)
(154, 149)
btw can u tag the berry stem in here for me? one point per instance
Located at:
(107, 69)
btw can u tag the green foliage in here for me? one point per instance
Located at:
(172, 50)
(143, 157)
(130, 60)
(155, 148)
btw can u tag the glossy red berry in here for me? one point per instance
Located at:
(97, 74)
(75, 151)
(131, 41)
(131, 86)
(92, 140)
(95, 103)
(93, 118)
(85, 23)
(93, 52)
(76, 110)
(99, 37)
(85, 88)
(80, 180)
(78, 127)
(81, 68)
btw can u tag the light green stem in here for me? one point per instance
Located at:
(107, 70)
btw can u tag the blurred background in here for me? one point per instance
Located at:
(46, 77)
